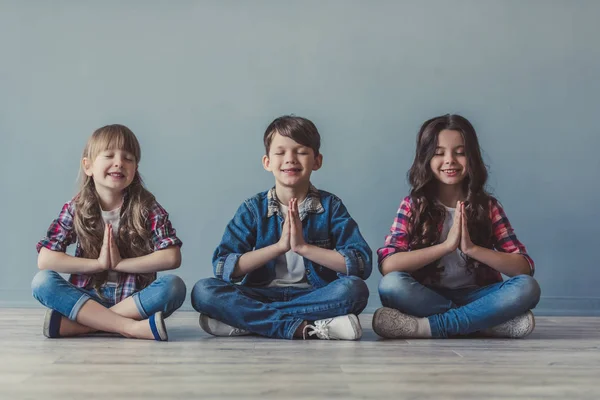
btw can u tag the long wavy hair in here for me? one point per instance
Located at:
(133, 238)
(428, 214)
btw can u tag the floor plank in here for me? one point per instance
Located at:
(561, 359)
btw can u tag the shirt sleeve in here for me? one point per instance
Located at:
(239, 238)
(61, 232)
(349, 242)
(163, 233)
(505, 239)
(399, 238)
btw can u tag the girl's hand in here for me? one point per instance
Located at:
(466, 245)
(115, 256)
(104, 257)
(454, 235)
(284, 240)
(297, 241)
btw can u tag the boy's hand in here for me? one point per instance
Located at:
(466, 245)
(297, 242)
(115, 256)
(284, 240)
(453, 241)
(104, 257)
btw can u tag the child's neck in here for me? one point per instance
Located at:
(285, 193)
(109, 200)
(449, 195)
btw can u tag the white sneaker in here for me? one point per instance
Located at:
(345, 327)
(218, 328)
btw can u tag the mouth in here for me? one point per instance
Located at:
(291, 170)
(116, 175)
(451, 172)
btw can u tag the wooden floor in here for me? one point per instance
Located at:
(560, 360)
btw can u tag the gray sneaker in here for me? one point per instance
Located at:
(218, 328)
(517, 327)
(392, 324)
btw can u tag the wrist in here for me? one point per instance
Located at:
(281, 248)
(447, 247)
(94, 266)
(301, 249)
(471, 250)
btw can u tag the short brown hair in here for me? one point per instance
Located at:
(299, 129)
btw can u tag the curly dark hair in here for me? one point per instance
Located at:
(427, 214)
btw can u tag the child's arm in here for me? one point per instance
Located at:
(235, 256)
(396, 257)
(411, 261)
(396, 254)
(352, 255)
(511, 259)
(166, 245)
(255, 259)
(61, 262)
(51, 249)
(160, 260)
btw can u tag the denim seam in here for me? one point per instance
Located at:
(330, 306)
(434, 326)
(138, 304)
(293, 328)
(77, 307)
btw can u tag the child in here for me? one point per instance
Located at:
(448, 246)
(296, 252)
(123, 238)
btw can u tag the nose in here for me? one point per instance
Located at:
(118, 160)
(290, 158)
(449, 158)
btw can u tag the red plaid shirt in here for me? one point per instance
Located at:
(61, 234)
(505, 241)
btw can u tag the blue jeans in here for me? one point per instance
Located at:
(459, 311)
(277, 312)
(165, 294)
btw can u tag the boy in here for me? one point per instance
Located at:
(296, 253)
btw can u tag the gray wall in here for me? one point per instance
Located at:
(198, 81)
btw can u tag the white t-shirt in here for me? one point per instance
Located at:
(455, 274)
(289, 267)
(112, 217)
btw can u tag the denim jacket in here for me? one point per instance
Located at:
(325, 223)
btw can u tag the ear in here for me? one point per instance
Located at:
(318, 162)
(266, 163)
(86, 163)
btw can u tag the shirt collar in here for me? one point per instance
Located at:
(312, 203)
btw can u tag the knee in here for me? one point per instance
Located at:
(203, 293)
(354, 288)
(43, 282)
(395, 283)
(175, 289)
(529, 291)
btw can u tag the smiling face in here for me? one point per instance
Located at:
(290, 162)
(112, 170)
(110, 161)
(449, 163)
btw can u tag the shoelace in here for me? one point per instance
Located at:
(320, 328)
(236, 331)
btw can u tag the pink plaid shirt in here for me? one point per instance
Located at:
(61, 234)
(505, 241)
